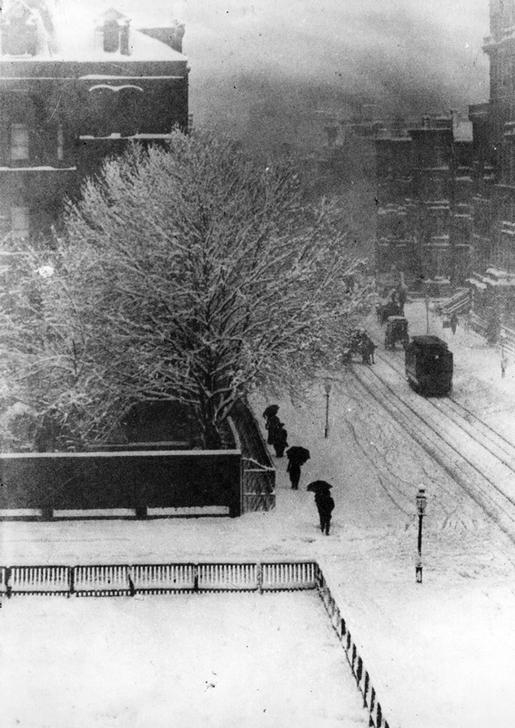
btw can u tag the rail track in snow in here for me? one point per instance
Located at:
(478, 458)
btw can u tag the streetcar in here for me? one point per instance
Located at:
(429, 365)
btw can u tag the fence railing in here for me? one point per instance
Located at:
(507, 341)
(360, 673)
(459, 303)
(477, 324)
(97, 580)
(258, 472)
(128, 580)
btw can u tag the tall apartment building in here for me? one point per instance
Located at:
(424, 183)
(74, 89)
(493, 203)
(446, 204)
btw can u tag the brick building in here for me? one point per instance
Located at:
(493, 232)
(447, 203)
(424, 186)
(74, 89)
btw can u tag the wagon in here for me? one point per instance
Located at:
(396, 330)
(384, 310)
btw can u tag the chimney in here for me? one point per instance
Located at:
(111, 36)
(114, 30)
(125, 48)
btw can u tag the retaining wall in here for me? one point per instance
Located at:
(120, 480)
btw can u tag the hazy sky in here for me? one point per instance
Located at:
(275, 53)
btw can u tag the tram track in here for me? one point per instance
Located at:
(483, 466)
(469, 421)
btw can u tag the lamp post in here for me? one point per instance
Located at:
(421, 500)
(427, 311)
(327, 388)
(502, 343)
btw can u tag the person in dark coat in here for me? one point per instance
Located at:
(280, 440)
(272, 424)
(454, 323)
(293, 471)
(367, 348)
(325, 505)
(297, 457)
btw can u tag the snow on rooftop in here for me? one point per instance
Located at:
(74, 34)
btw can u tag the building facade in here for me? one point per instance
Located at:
(424, 182)
(75, 89)
(446, 207)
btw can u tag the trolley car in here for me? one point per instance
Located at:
(429, 365)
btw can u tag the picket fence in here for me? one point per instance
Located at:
(98, 580)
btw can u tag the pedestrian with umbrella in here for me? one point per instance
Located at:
(324, 503)
(272, 409)
(297, 456)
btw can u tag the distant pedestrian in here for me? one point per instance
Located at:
(280, 440)
(272, 409)
(297, 456)
(454, 323)
(367, 349)
(325, 506)
(293, 471)
(504, 363)
(272, 424)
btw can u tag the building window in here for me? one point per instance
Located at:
(60, 143)
(20, 221)
(19, 142)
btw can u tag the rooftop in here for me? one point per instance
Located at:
(73, 31)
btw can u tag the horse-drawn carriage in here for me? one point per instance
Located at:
(359, 342)
(385, 310)
(396, 330)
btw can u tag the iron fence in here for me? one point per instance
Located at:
(97, 580)
(258, 473)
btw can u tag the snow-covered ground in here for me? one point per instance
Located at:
(441, 653)
(187, 661)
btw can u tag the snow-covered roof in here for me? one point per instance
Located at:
(71, 31)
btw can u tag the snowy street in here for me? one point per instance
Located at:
(440, 653)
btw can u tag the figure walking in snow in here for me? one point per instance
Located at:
(280, 440)
(293, 471)
(325, 507)
(272, 424)
(297, 456)
(454, 323)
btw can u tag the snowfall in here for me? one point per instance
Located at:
(441, 654)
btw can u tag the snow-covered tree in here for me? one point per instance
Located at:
(190, 273)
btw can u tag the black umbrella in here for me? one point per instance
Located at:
(272, 409)
(319, 485)
(298, 454)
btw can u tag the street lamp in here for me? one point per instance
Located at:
(427, 310)
(421, 500)
(327, 388)
(502, 343)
